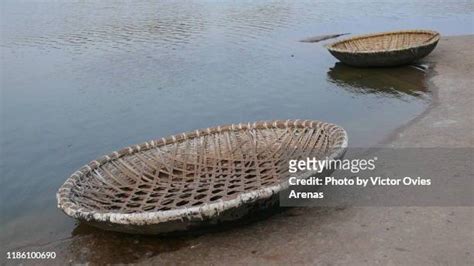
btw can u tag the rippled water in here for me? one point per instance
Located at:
(80, 79)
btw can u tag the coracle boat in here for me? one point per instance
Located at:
(196, 179)
(385, 49)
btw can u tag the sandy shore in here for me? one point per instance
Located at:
(370, 235)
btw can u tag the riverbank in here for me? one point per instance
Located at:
(449, 121)
(371, 235)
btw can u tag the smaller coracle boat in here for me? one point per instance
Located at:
(385, 49)
(195, 179)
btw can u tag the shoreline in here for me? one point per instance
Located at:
(370, 235)
(432, 74)
(447, 72)
(434, 101)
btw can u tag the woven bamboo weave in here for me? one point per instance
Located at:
(181, 181)
(386, 48)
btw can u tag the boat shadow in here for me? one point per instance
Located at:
(97, 246)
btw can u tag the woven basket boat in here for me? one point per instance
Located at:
(385, 49)
(195, 179)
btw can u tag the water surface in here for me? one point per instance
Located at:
(81, 79)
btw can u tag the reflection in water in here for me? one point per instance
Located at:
(394, 82)
(90, 245)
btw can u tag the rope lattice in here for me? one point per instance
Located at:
(196, 170)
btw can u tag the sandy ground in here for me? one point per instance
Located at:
(368, 235)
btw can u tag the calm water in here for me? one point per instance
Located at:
(81, 79)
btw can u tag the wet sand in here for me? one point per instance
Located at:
(369, 235)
